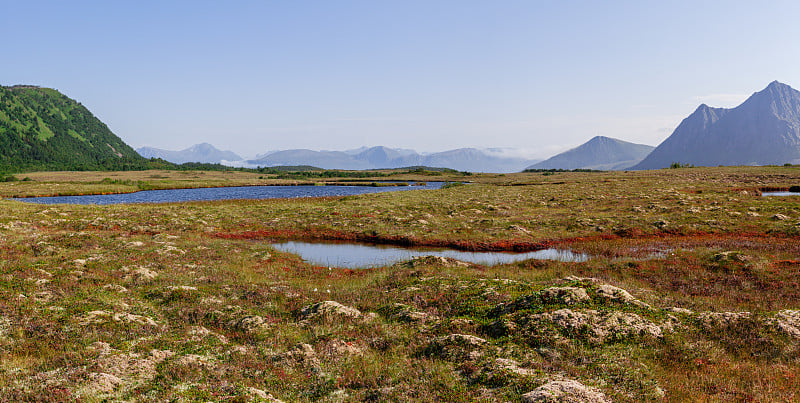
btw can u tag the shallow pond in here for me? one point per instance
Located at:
(354, 256)
(228, 193)
(780, 194)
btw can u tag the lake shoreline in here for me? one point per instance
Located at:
(366, 184)
(234, 193)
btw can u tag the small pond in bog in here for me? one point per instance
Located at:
(780, 193)
(353, 256)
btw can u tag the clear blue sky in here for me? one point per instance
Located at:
(539, 76)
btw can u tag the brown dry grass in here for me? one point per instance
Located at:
(56, 263)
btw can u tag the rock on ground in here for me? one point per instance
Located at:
(435, 261)
(329, 309)
(567, 391)
(102, 383)
(115, 288)
(99, 317)
(623, 325)
(196, 361)
(141, 275)
(566, 318)
(338, 348)
(682, 311)
(404, 313)
(131, 366)
(261, 395)
(457, 347)
(513, 367)
(611, 293)
(731, 256)
(600, 327)
(710, 320)
(788, 321)
(250, 323)
(569, 295)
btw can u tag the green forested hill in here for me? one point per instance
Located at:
(42, 129)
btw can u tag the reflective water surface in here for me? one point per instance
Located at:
(227, 193)
(353, 256)
(780, 194)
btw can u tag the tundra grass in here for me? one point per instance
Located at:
(188, 301)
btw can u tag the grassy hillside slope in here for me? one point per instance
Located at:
(40, 128)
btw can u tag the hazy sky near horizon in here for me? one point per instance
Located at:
(537, 76)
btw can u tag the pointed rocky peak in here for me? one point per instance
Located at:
(777, 85)
(706, 114)
(775, 91)
(605, 141)
(599, 141)
(777, 98)
(764, 129)
(600, 152)
(706, 110)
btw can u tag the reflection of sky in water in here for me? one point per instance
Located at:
(226, 193)
(780, 194)
(358, 256)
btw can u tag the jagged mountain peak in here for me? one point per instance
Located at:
(705, 108)
(776, 90)
(777, 98)
(602, 140)
(764, 129)
(778, 85)
(706, 114)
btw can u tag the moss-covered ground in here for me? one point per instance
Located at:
(188, 301)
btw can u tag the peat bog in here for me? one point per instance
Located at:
(690, 291)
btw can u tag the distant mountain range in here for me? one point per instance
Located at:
(764, 130)
(462, 159)
(43, 129)
(602, 153)
(203, 152)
